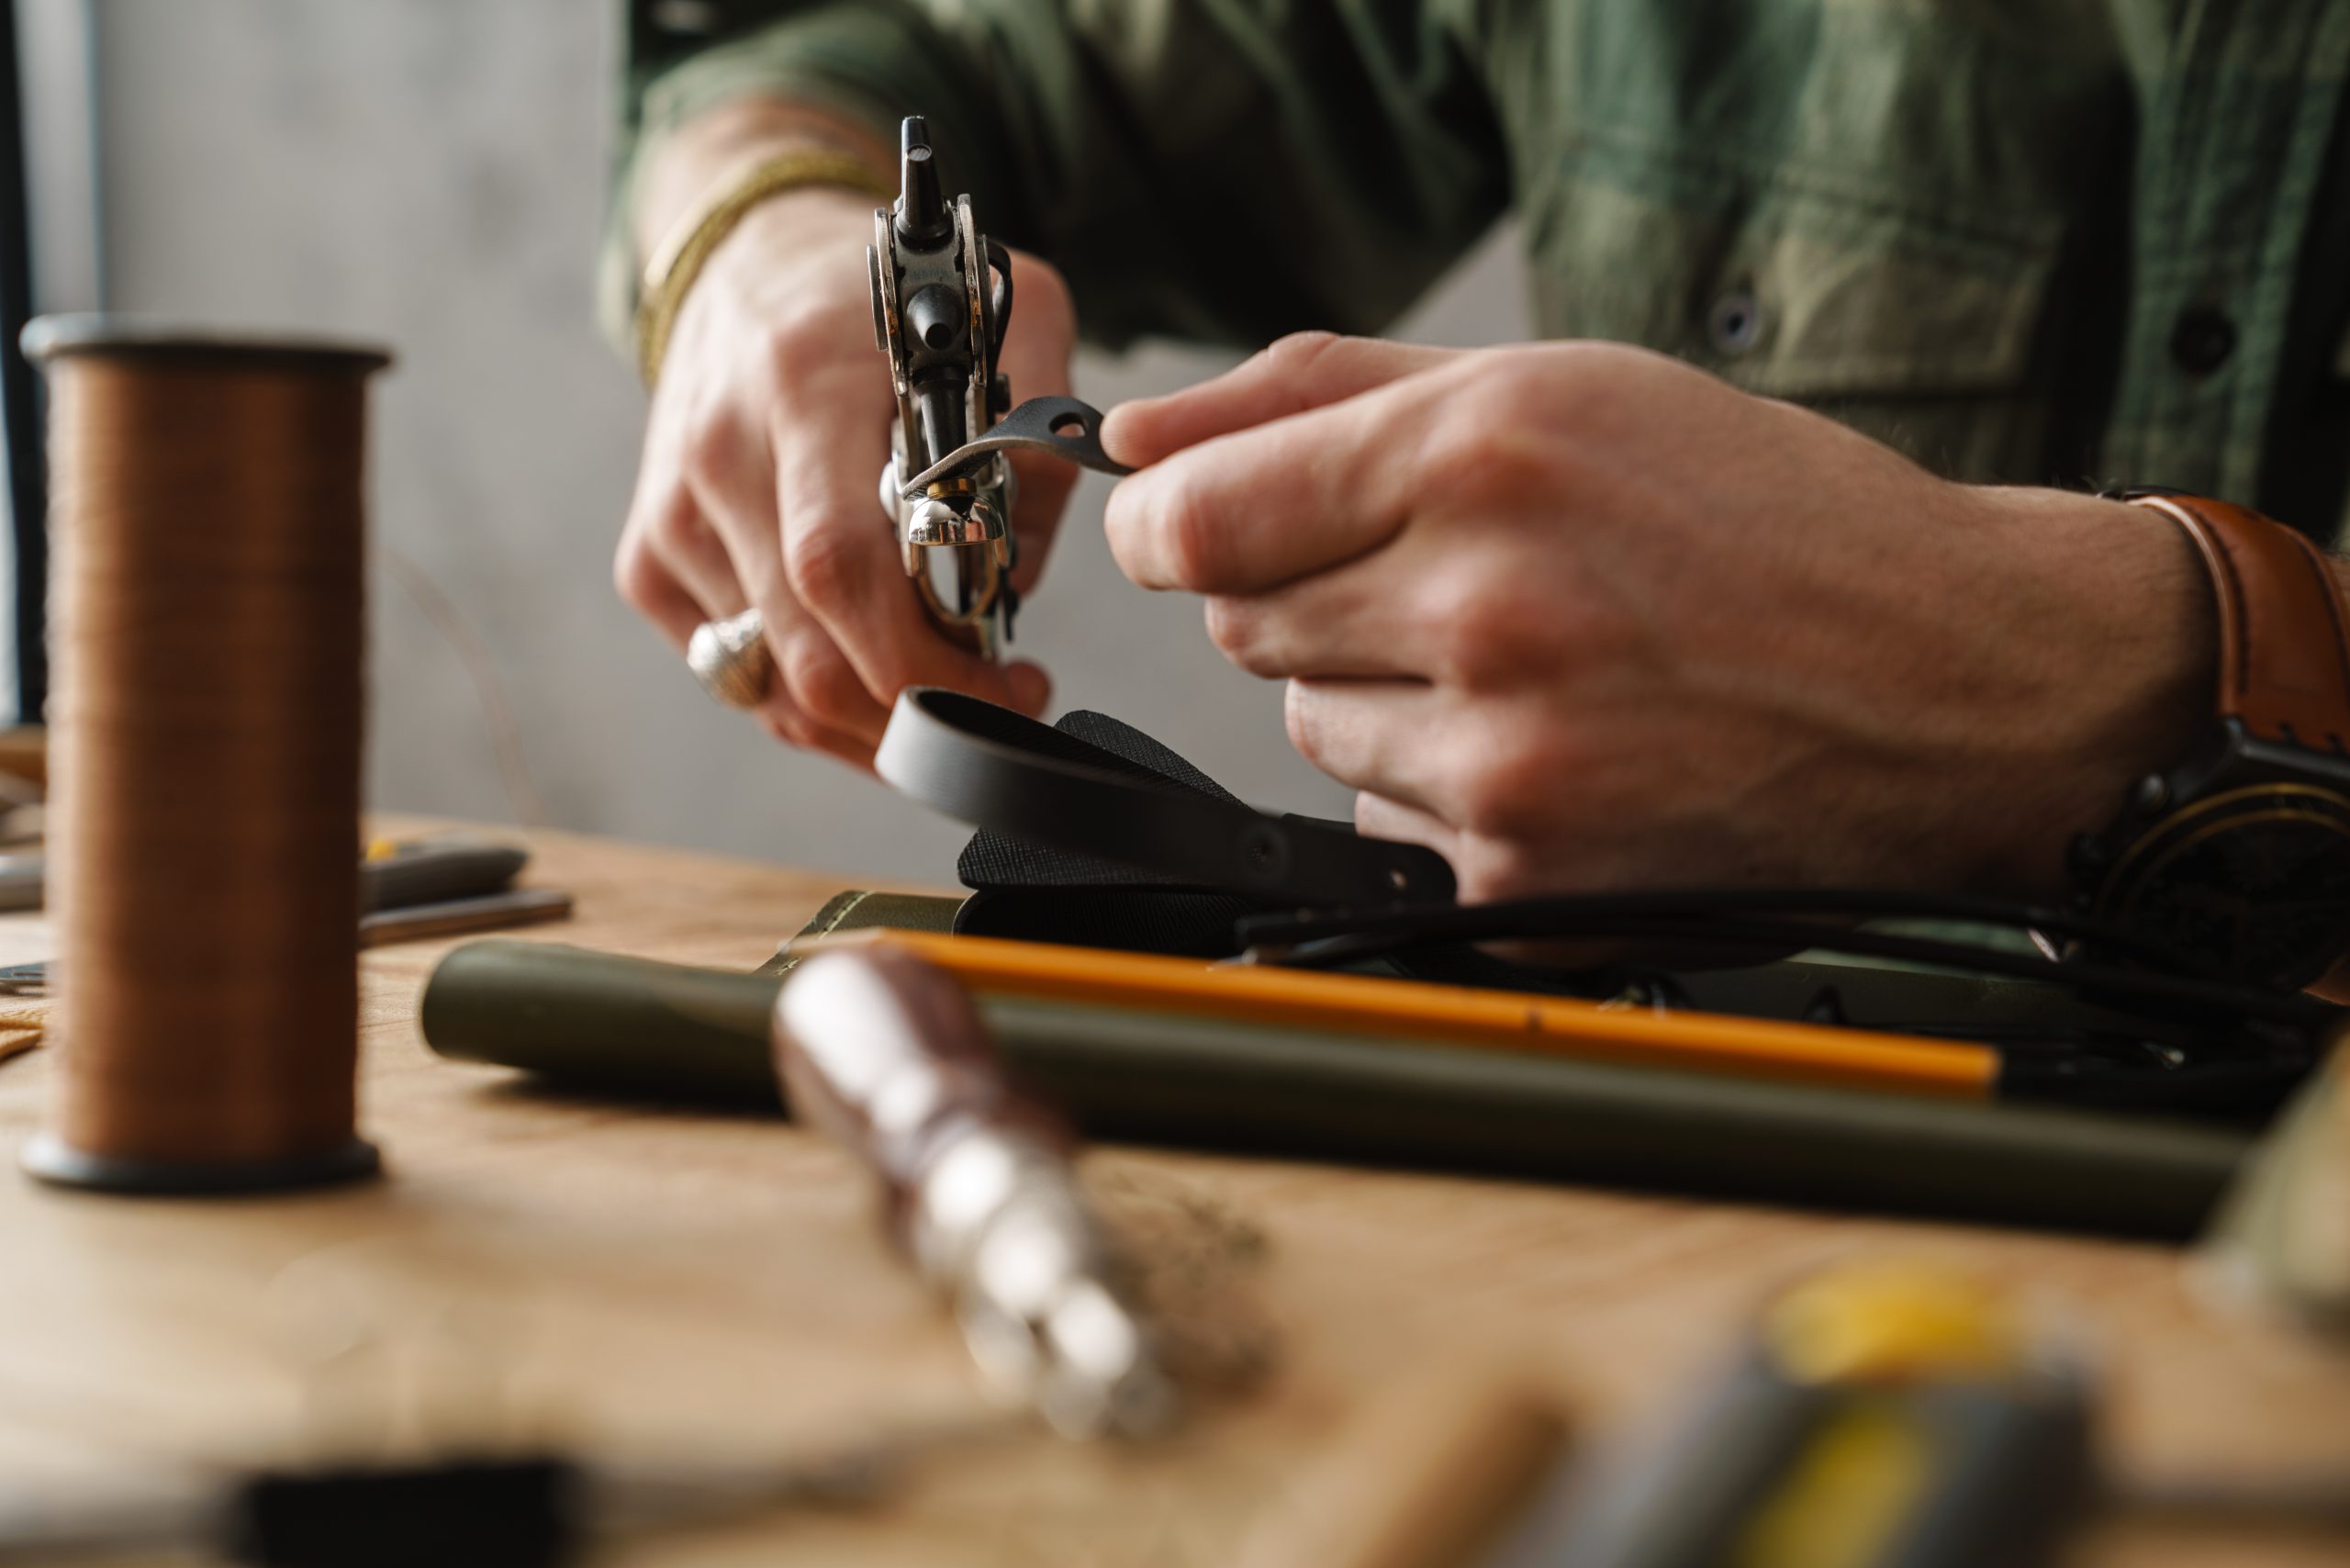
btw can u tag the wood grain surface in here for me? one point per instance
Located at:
(651, 1282)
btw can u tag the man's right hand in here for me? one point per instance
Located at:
(760, 475)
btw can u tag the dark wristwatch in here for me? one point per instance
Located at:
(2240, 855)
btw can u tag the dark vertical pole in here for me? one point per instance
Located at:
(20, 390)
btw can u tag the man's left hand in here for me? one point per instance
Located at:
(1580, 616)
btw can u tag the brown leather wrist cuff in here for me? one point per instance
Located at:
(2284, 632)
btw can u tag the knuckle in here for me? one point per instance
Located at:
(674, 522)
(711, 442)
(1459, 630)
(821, 681)
(1488, 869)
(1579, 393)
(1481, 453)
(790, 726)
(822, 565)
(1295, 354)
(1130, 524)
(1198, 553)
(1582, 372)
(1380, 817)
(796, 346)
(1485, 798)
(1509, 787)
(637, 572)
(1042, 286)
(1302, 719)
(1236, 627)
(1526, 372)
(1490, 629)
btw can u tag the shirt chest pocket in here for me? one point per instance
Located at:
(1931, 333)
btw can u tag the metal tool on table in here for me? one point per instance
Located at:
(1878, 1415)
(942, 303)
(442, 885)
(1892, 1414)
(885, 1053)
(1881, 1413)
(445, 885)
(392, 873)
(531, 1510)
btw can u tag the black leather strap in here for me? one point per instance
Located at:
(1002, 772)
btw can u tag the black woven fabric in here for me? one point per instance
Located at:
(991, 860)
(1132, 920)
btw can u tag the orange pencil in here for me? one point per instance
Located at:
(1419, 1012)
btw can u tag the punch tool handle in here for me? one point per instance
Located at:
(885, 1052)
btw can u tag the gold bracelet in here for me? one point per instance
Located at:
(682, 256)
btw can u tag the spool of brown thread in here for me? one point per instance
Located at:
(207, 631)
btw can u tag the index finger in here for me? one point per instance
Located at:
(841, 562)
(1302, 371)
(1251, 510)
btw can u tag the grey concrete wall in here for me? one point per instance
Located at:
(429, 174)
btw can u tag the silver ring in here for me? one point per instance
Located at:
(729, 657)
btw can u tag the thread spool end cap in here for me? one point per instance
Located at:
(52, 1159)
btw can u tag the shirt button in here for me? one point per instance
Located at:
(1735, 322)
(2202, 339)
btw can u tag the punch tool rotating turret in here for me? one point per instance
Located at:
(942, 304)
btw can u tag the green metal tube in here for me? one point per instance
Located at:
(641, 1028)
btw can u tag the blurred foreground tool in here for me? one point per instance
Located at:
(2283, 1238)
(1881, 1414)
(399, 873)
(394, 874)
(446, 885)
(1432, 1475)
(1882, 1417)
(1886, 1415)
(885, 1053)
(523, 1510)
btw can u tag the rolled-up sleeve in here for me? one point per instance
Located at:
(1222, 169)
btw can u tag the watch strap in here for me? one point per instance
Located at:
(2284, 632)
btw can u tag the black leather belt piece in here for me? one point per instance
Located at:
(1008, 774)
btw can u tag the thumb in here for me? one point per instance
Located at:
(1302, 371)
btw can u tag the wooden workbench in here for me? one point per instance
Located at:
(666, 1283)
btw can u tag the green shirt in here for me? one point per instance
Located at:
(2067, 242)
